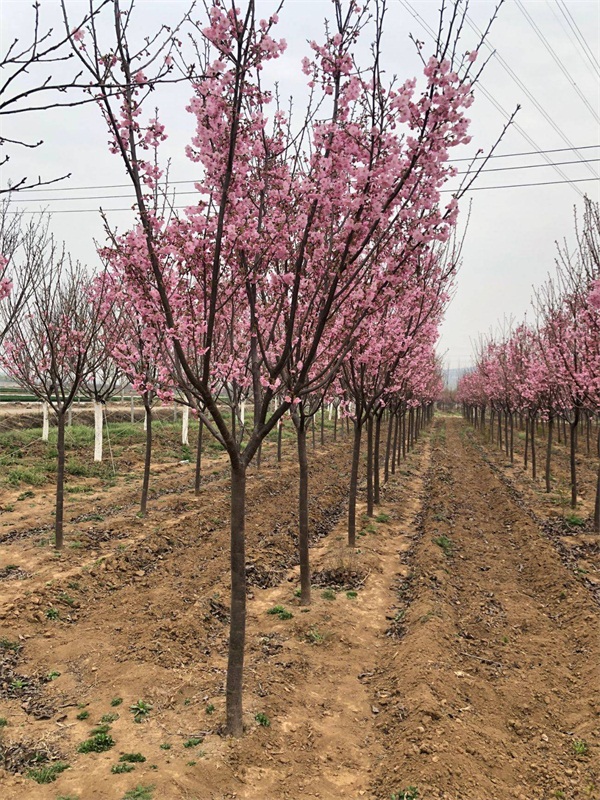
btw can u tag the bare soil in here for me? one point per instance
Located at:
(456, 650)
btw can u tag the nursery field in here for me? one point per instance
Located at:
(454, 653)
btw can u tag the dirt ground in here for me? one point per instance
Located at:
(455, 653)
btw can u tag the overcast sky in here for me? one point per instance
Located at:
(541, 63)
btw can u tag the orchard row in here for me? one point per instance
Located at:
(312, 267)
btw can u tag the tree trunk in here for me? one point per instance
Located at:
(396, 444)
(402, 449)
(147, 457)
(526, 443)
(279, 439)
(303, 544)
(376, 488)
(322, 424)
(354, 485)
(131, 409)
(512, 433)
(533, 449)
(370, 466)
(335, 423)
(549, 451)
(388, 448)
(573, 450)
(198, 476)
(97, 430)
(597, 504)
(237, 620)
(60, 482)
(185, 425)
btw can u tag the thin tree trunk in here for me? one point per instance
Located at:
(512, 433)
(526, 443)
(370, 466)
(323, 424)
(198, 476)
(237, 620)
(303, 542)
(376, 487)
(388, 447)
(402, 436)
(131, 409)
(573, 449)
(335, 423)
(549, 451)
(60, 482)
(597, 504)
(354, 485)
(396, 419)
(147, 458)
(279, 439)
(533, 449)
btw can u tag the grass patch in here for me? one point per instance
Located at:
(262, 720)
(193, 741)
(118, 769)
(30, 475)
(132, 758)
(444, 543)
(382, 518)
(48, 773)
(280, 612)
(575, 520)
(139, 793)
(98, 743)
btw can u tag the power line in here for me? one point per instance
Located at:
(564, 10)
(507, 68)
(442, 191)
(181, 194)
(578, 45)
(557, 59)
(450, 161)
(493, 100)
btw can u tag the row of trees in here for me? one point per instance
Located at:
(312, 268)
(548, 370)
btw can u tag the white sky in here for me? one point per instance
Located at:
(510, 241)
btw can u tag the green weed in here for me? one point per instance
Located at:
(48, 773)
(118, 769)
(83, 715)
(132, 758)
(580, 747)
(140, 710)
(109, 717)
(116, 701)
(328, 594)
(444, 542)
(410, 793)
(98, 743)
(52, 613)
(281, 612)
(262, 719)
(193, 741)
(382, 518)
(139, 793)
(351, 595)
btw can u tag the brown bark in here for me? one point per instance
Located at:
(198, 476)
(60, 482)
(573, 451)
(388, 447)
(237, 623)
(303, 540)
(354, 485)
(147, 459)
(549, 451)
(370, 466)
(377, 447)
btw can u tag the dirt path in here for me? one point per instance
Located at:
(496, 680)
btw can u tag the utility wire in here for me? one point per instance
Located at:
(182, 194)
(503, 63)
(493, 100)
(538, 152)
(564, 10)
(442, 191)
(557, 60)
(578, 44)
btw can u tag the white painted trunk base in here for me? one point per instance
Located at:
(45, 422)
(185, 425)
(97, 431)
